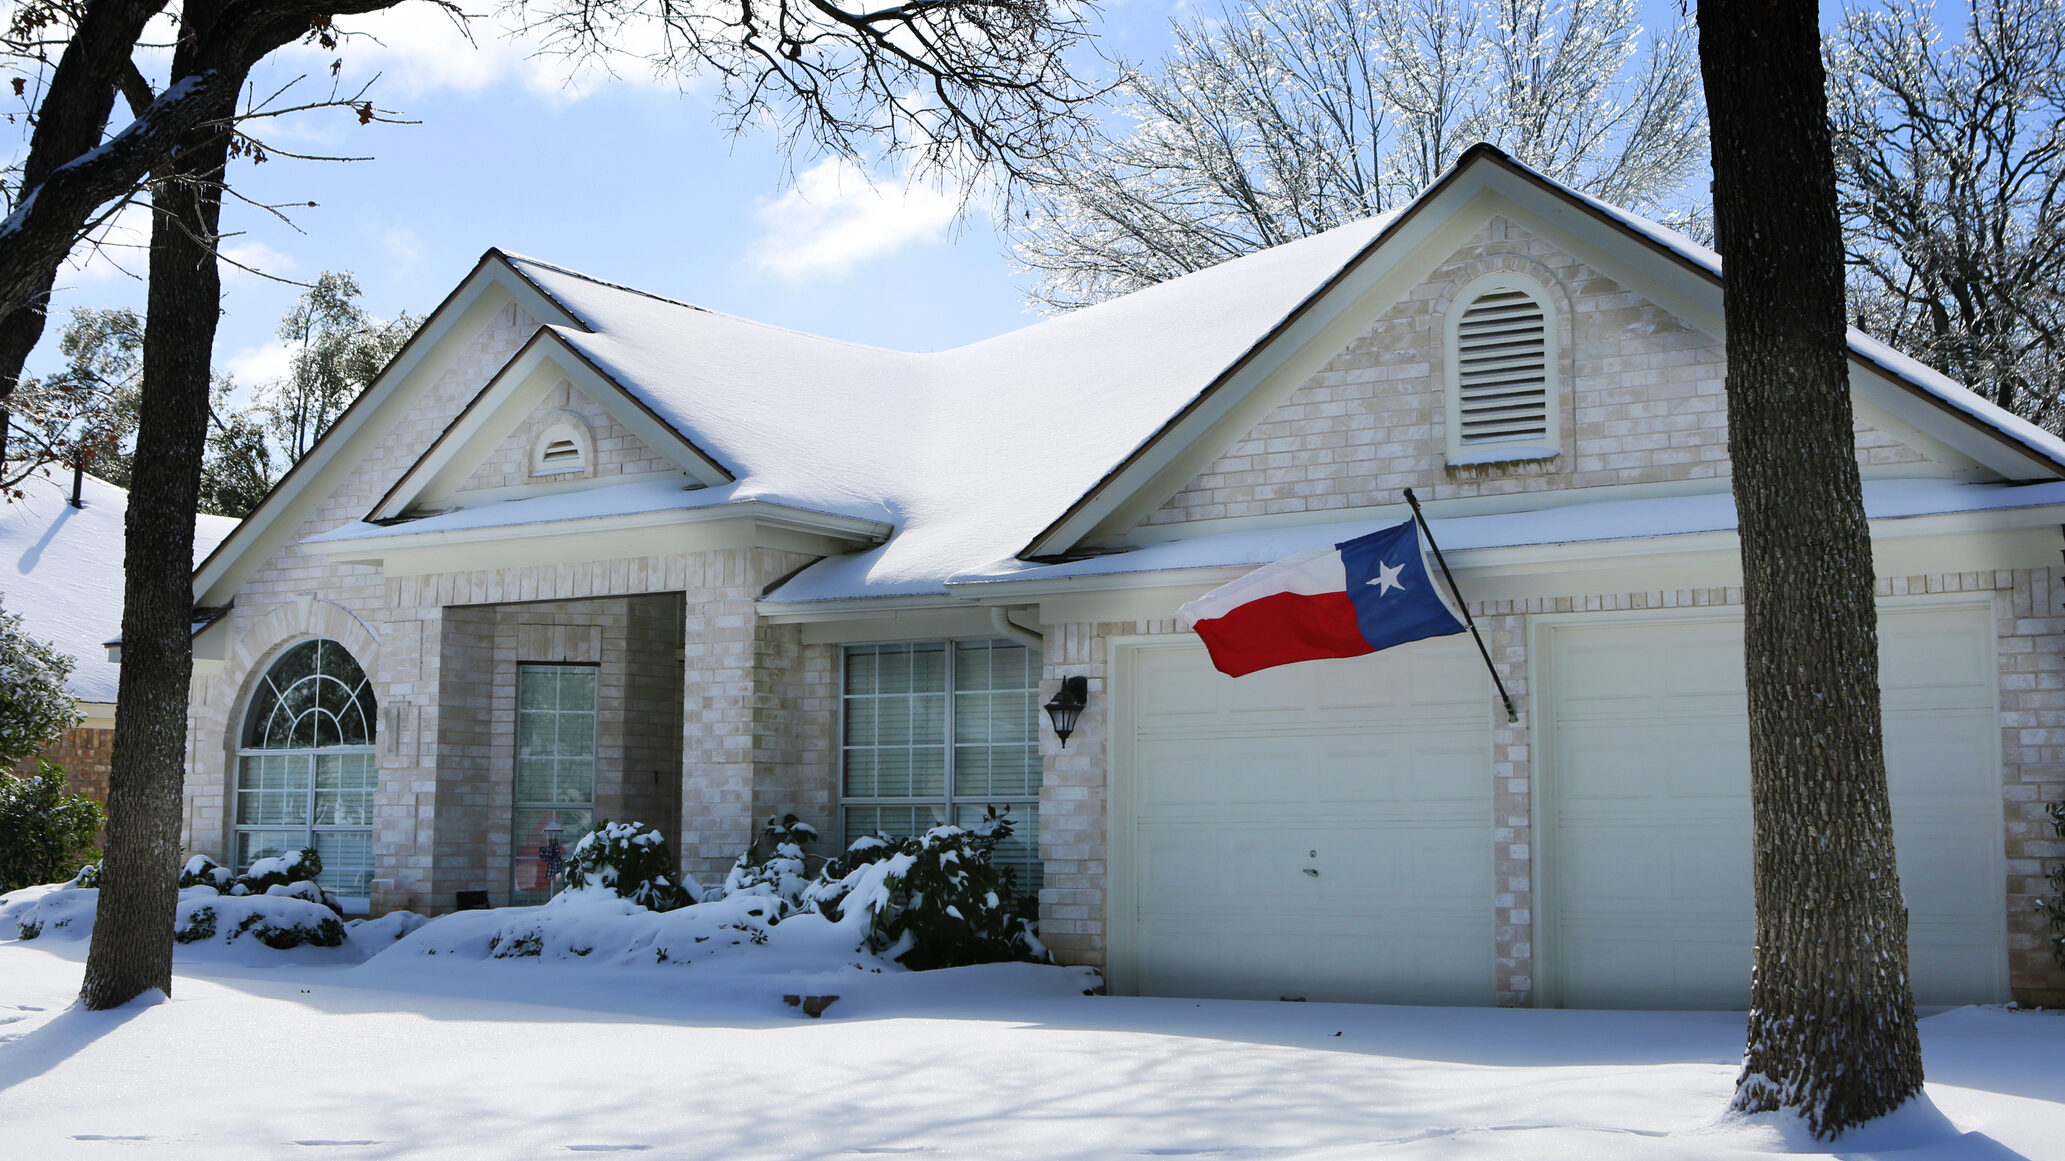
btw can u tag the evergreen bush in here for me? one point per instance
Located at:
(775, 866)
(2053, 905)
(35, 706)
(46, 831)
(936, 899)
(631, 859)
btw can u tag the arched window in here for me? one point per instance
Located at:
(1502, 373)
(305, 767)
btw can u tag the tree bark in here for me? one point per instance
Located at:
(1832, 1025)
(131, 951)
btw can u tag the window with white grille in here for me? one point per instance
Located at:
(1502, 373)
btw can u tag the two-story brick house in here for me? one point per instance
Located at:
(583, 552)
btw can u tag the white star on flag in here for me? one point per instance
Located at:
(1387, 578)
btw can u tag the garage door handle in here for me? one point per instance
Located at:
(1312, 872)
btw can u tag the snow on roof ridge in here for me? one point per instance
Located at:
(524, 259)
(1366, 228)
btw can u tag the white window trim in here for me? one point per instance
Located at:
(1550, 445)
(352, 904)
(951, 801)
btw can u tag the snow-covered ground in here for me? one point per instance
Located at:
(441, 1057)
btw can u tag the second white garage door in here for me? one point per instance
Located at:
(1318, 831)
(1646, 896)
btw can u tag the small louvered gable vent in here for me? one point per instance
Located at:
(1502, 354)
(562, 451)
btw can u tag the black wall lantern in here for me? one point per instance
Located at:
(1068, 705)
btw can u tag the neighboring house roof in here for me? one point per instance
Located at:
(61, 569)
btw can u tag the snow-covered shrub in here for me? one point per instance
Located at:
(278, 920)
(202, 871)
(378, 933)
(46, 831)
(293, 875)
(632, 860)
(935, 899)
(280, 870)
(774, 866)
(88, 876)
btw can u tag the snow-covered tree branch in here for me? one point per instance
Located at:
(1293, 116)
(1951, 160)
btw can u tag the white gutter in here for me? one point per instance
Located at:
(1000, 620)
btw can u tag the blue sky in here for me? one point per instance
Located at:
(629, 179)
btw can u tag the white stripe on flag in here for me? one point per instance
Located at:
(1312, 573)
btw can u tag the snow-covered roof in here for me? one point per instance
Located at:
(968, 453)
(61, 569)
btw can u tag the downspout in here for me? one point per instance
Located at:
(1000, 620)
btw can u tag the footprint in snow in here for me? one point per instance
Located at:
(319, 1141)
(606, 1148)
(112, 1137)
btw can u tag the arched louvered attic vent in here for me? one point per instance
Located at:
(561, 449)
(1502, 398)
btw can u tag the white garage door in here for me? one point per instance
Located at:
(1646, 883)
(1318, 831)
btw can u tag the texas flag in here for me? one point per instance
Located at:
(1343, 600)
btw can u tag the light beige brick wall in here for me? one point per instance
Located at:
(1640, 391)
(735, 732)
(2029, 606)
(652, 714)
(2030, 613)
(617, 451)
(1073, 846)
(737, 704)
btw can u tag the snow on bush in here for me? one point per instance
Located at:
(933, 900)
(202, 916)
(598, 926)
(631, 860)
(209, 921)
(779, 871)
(924, 902)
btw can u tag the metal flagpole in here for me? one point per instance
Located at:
(1512, 715)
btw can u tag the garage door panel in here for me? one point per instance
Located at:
(1627, 965)
(1372, 773)
(1923, 658)
(1662, 763)
(1442, 765)
(1941, 754)
(1937, 869)
(1404, 964)
(1650, 896)
(1950, 961)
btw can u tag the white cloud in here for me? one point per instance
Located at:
(834, 219)
(418, 49)
(245, 261)
(251, 366)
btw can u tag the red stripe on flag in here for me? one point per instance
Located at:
(1282, 628)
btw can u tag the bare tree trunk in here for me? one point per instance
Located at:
(1832, 1024)
(132, 934)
